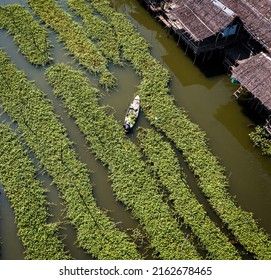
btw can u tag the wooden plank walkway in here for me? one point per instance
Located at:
(165, 22)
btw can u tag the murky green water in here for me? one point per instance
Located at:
(209, 103)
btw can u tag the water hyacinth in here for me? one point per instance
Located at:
(98, 29)
(261, 139)
(28, 35)
(47, 137)
(74, 37)
(160, 110)
(130, 180)
(164, 163)
(40, 239)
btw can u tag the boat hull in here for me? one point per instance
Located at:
(132, 114)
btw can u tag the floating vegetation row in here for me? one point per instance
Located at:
(98, 29)
(164, 163)
(28, 35)
(134, 46)
(44, 134)
(161, 111)
(261, 139)
(191, 140)
(130, 181)
(41, 240)
(96, 233)
(74, 38)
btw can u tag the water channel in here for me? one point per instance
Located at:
(209, 103)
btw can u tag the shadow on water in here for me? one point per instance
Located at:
(208, 100)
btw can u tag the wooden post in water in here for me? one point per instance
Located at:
(203, 59)
(186, 49)
(178, 40)
(168, 31)
(196, 55)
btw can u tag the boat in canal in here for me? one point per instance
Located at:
(132, 114)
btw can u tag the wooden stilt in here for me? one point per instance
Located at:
(178, 40)
(211, 53)
(203, 59)
(186, 49)
(257, 104)
(168, 31)
(195, 58)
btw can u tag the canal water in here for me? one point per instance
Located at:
(206, 97)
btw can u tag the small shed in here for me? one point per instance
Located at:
(254, 74)
(204, 25)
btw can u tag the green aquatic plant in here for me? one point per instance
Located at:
(98, 29)
(74, 37)
(164, 163)
(28, 35)
(44, 134)
(41, 240)
(130, 181)
(261, 139)
(160, 110)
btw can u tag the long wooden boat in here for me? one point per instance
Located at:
(132, 114)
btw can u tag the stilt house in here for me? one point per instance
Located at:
(254, 74)
(204, 25)
(238, 27)
(256, 19)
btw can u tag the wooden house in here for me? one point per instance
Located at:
(254, 74)
(255, 16)
(203, 25)
(239, 28)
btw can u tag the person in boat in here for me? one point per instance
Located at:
(126, 126)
